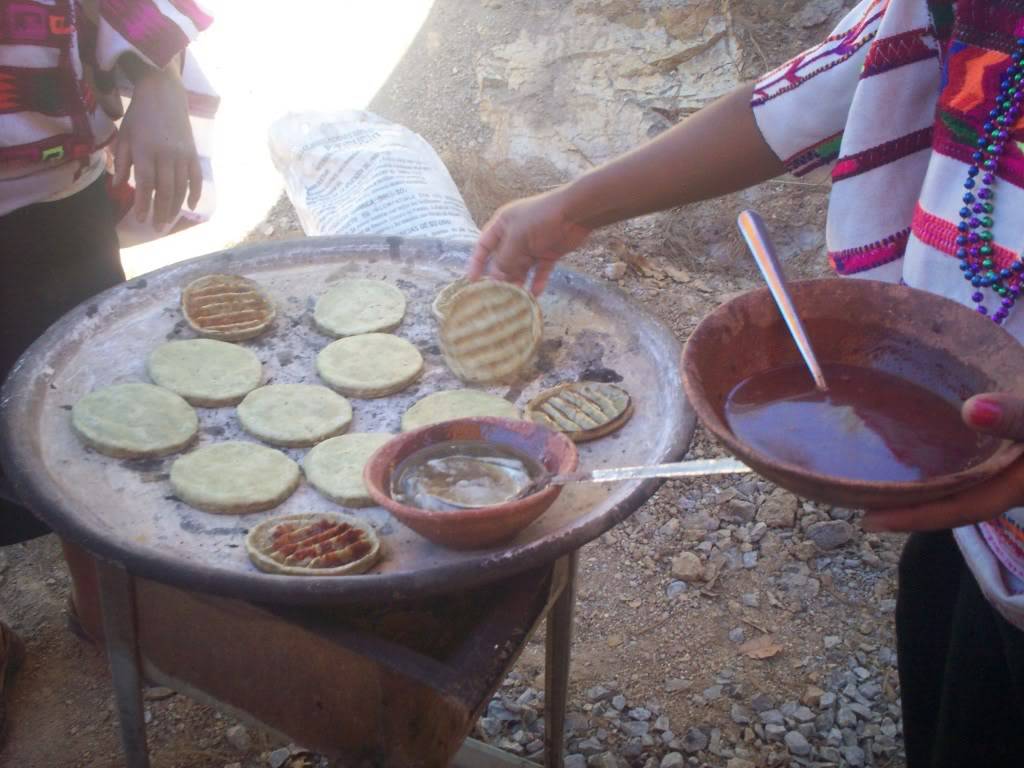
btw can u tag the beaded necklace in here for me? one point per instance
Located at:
(974, 243)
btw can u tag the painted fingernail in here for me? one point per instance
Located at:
(984, 413)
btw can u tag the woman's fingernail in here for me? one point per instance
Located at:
(984, 413)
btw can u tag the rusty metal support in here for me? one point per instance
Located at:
(117, 597)
(556, 664)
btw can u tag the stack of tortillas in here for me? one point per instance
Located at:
(227, 307)
(490, 331)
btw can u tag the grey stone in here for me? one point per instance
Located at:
(675, 589)
(575, 760)
(772, 717)
(278, 756)
(749, 559)
(491, 726)
(619, 702)
(739, 762)
(797, 743)
(640, 713)
(846, 718)
(677, 684)
(741, 715)
(750, 600)
(603, 760)
(672, 760)
(762, 702)
(825, 721)
(598, 693)
(534, 747)
(774, 732)
(737, 512)
(839, 513)
(803, 714)
(853, 755)
(510, 745)
(694, 741)
(864, 713)
(888, 727)
(830, 755)
(589, 747)
(827, 699)
(830, 534)
(636, 729)
(713, 693)
(870, 690)
(238, 737)
(662, 724)
(831, 641)
(736, 635)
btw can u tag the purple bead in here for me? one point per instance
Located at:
(982, 309)
(1003, 135)
(977, 296)
(973, 238)
(997, 148)
(1015, 291)
(978, 208)
(1018, 97)
(989, 165)
(988, 178)
(985, 194)
(1013, 113)
(1007, 303)
(974, 250)
(975, 222)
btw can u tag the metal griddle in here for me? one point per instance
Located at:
(124, 511)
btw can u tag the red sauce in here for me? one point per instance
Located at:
(870, 425)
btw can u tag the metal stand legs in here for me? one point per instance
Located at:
(556, 667)
(118, 600)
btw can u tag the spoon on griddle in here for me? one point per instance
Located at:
(679, 469)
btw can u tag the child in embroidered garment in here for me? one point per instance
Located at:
(917, 107)
(57, 217)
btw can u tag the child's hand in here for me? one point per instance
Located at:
(156, 137)
(529, 234)
(996, 414)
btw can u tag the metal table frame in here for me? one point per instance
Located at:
(118, 599)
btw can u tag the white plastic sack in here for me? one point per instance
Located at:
(354, 173)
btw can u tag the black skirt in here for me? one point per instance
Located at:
(53, 256)
(961, 664)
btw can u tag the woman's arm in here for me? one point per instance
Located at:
(716, 151)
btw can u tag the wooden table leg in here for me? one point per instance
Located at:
(556, 666)
(117, 597)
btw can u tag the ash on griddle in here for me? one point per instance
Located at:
(603, 375)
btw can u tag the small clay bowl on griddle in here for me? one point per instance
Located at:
(926, 339)
(485, 526)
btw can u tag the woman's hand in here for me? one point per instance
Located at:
(156, 137)
(525, 236)
(995, 414)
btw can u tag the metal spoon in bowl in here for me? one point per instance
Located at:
(694, 468)
(756, 235)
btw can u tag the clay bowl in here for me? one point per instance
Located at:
(926, 339)
(473, 528)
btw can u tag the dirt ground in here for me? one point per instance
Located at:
(674, 651)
